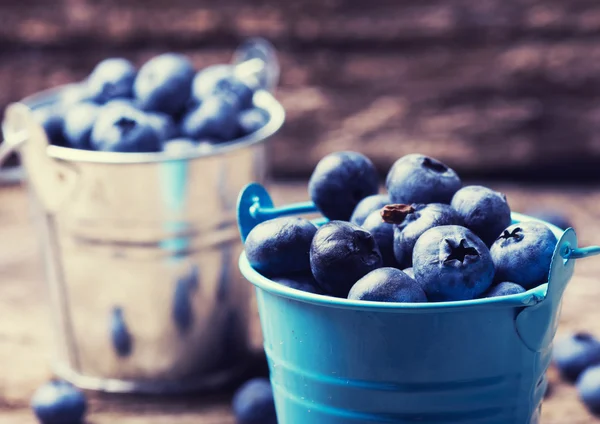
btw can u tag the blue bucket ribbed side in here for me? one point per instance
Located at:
(333, 365)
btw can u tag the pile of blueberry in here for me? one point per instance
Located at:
(577, 358)
(164, 106)
(59, 402)
(429, 239)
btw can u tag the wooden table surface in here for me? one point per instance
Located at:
(25, 334)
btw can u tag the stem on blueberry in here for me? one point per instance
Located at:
(395, 213)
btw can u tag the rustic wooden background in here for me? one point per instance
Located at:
(494, 87)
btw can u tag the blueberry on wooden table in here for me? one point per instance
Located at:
(59, 402)
(417, 178)
(573, 353)
(340, 181)
(588, 387)
(483, 211)
(341, 253)
(253, 403)
(523, 252)
(451, 263)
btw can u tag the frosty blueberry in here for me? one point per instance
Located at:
(280, 246)
(451, 263)
(387, 285)
(417, 178)
(340, 181)
(523, 252)
(483, 211)
(340, 254)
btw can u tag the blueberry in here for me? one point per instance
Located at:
(412, 221)
(208, 78)
(484, 211)
(340, 181)
(523, 252)
(111, 79)
(574, 353)
(59, 402)
(383, 233)
(215, 118)
(52, 121)
(387, 285)
(553, 217)
(417, 178)
(410, 272)
(305, 282)
(163, 125)
(280, 246)
(588, 387)
(220, 80)
(163, 83)
(342, 253)
(121, 337)
(253, 403)
(367, 205)
(452, 263)
(79, 121)
(252, 120)
(504, 289)
(182, 146)
(124, 129)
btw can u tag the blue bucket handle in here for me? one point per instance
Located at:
(255, 205)
(537, 321)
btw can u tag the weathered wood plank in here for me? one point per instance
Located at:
(529, 108)
(307, 21)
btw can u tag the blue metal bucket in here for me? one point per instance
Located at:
(338, 361)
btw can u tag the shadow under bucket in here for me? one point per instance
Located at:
(339, 361)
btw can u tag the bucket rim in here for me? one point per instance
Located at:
(528, 298)
(262, 99)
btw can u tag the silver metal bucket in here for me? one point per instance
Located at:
(141, 256)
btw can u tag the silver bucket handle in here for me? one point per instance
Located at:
(17, 134)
